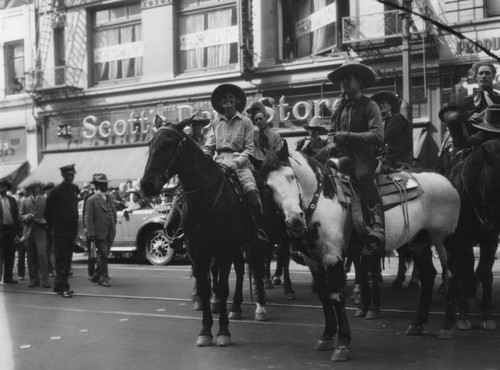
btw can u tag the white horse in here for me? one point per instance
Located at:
(311, 207)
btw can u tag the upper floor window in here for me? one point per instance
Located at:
(117, 42)
(308, 27)
(14, 63)
(208, 37)
(492, 8)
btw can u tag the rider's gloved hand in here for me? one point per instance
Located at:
(341, 138)
(233, 166)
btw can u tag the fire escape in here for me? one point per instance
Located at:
(60, 76)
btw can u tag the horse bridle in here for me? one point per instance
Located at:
(180, 145)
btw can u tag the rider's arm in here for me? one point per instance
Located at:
(375, 133)
(248, 141)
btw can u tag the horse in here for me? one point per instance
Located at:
(312, 209)
(216, 221)
(476, 175)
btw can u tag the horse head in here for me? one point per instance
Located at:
(164, 150)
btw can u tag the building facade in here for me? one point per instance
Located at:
(103, 70)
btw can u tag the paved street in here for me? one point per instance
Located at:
(145, 321)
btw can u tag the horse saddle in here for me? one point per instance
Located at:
(395, 188)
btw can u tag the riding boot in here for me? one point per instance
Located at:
(253, 200)
(374, 219)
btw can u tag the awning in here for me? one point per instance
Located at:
(419, 135)
(14, 172)
(119, 165)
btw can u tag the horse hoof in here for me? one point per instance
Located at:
(290, 296)
(215, 307)
(360, 312)
(197, 306)
(414, 330)
(234, 315)
(446, 334)
(341, 353)
(276, 281)
(372, 315)
(223, 340)
(464, 324)
(204, 341)
(397, 284)
(489, 324)
(324, 345)
(412, 285)
(268, 284)
(261, 316)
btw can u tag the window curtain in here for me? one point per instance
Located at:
(319, 39)
(219, 55)
(303, 10)
(193, 58)
(107, 70)
(138, 60)
(126, 34)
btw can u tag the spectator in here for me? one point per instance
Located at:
(197, 128)
(21, 244)
(100, 222)
(134, 197)
(32, 213)
(61, 213)
(10, 227)
(51, 259)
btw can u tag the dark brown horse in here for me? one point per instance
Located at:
(215, 221)
(476, 175)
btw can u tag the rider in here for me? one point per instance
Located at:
(397, 153)
(231, 138)
(355, 131)
(316, 143)
(196, 129)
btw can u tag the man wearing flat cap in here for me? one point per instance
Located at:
(231, 138)
(100, 224)
(32, 214)
(61, 213)
(355, 131)
(10, 227)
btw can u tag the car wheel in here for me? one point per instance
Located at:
(158, 250)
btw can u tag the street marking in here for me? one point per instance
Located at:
(160, 310)
(25, 346)
(55, 338)
(124, 319)
(83, 331)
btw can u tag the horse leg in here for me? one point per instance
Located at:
(336, 283)
(402, 268)
(414, 280)
(427, 272)
(283, 258)
(364, 282)
(236, 312)
(215, 271)
(201, 271)
(256, 261)
(223, 336)
(467, 288)
(375, 265)
(267, 272)
(485, 276)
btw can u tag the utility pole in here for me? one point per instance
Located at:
(406, 52)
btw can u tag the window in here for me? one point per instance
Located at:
(14, 63)
(208, 38)
(492, 8)
(308, 27)
(117, 41)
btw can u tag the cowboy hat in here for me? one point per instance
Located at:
(228, 88)
(99, 178)
(353, 66)
(390, 98)
(491, 120)
(199, 118)
(257, 107)
(451, 113)
(315, 124)
(6, 183)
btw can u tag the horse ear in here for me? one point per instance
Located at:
(158, 121)
(182, 124)
(282, 154)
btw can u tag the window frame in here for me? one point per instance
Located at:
(10, 67)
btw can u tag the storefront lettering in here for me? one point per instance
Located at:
(137, 123)
(466, 47)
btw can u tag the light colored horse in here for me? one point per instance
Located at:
(297, 181)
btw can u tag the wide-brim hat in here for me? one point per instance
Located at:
(257, 106)
(491, 121)
(315, 124)
(199, 118)
(353, 66)
(99, 178)
(34, 184)
(6, 183)
(390, 98)
(451, 113)
(130, 191)
(228, 88)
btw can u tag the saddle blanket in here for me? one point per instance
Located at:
(395, 188)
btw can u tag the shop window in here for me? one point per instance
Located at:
(308, 27)
(418, 102)
(14, 67)
(492, 8)
(208, 37)
(117, 42)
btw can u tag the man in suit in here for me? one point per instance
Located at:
(61, 213)
(10, 227)
(32, 214)
(100, 223)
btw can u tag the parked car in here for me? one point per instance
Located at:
(140, 233)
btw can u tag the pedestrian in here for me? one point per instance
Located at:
(100, 223)
(51, 259)
(315, 143)
(397, 151)
(61, 213)
(266, 139)
(21, 244)
(356, 130)
(231, 137)
(10, 227)
(32, 213)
